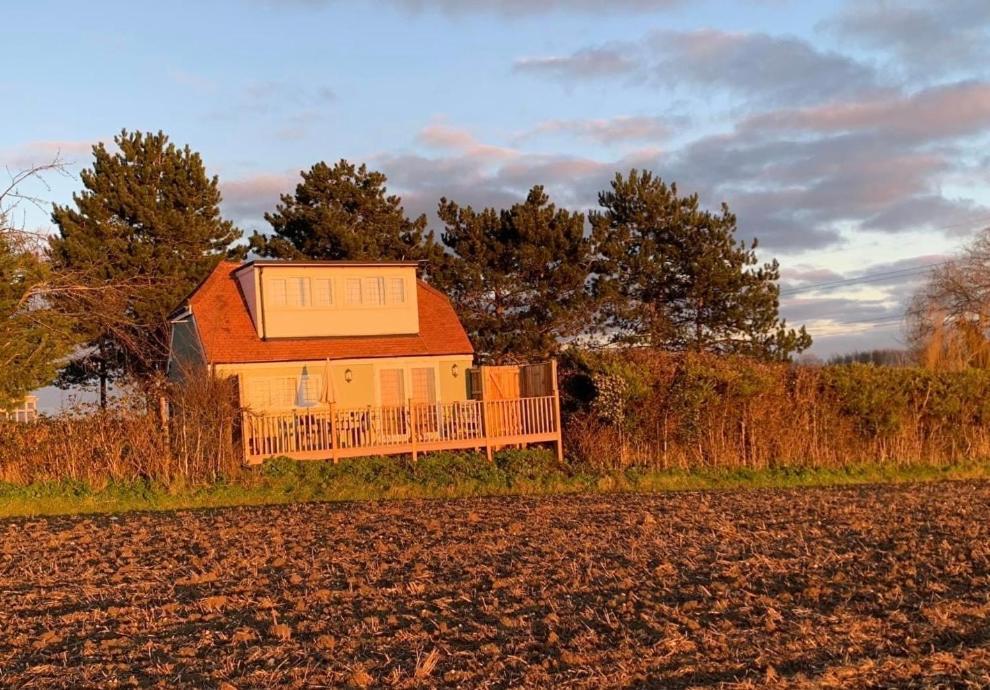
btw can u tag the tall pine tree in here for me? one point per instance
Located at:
(518, 276)
(147, 224)
(672, 274)
(344, 212)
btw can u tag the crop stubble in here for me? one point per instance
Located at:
(864, 587)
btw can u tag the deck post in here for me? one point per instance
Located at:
(333, 434)
(246, 435)
(485, 425)
(556, 406)
(412, 429)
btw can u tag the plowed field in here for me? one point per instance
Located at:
(843, 588)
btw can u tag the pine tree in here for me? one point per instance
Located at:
(33, 336)
(517, 276)
(672, 275)
(147, 224)
(344, 212)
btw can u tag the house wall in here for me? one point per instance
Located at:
(185, 353)
(250, 289)
(340, 317)
(364, 387)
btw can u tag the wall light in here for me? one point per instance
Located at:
(348, 375)
(454, 370)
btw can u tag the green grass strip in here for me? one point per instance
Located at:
(441, 476)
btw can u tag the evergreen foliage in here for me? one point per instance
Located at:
(671, 274)
(148, 225)
(344, 212)
(518, 276)
(33, 337)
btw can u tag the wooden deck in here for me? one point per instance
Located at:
(331, 433)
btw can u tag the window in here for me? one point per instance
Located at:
(392, 387)
(265, 394)
(323, 292)
(298, 292)
(353, 291)
(279, 292)
(396, 291)
(424, 385)
(290, 292)
(311, 392)
(374, 291)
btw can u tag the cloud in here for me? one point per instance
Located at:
(514, 8)
(923, 39)
(246, 200)
(442, 136)
(471, 172)
(42, 152)
(519, 7)
(777, 69)
(587, 63)
(945, 111)
(866, 313)
(756, 66)
(606, 131)
(795, 176)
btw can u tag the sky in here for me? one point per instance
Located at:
(852, 139)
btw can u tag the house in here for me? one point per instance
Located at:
(27, 411)
(305, 334)
(343, 358)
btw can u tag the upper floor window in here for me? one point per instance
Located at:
(353, 291)
(323, 292)
(290, 292)
(374, 291)
(396, 291)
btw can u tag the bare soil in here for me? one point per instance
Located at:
(836, 588)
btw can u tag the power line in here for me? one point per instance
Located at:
(870, 278)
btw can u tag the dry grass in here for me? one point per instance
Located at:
(842, 588)
(702, 412)
(130, 442)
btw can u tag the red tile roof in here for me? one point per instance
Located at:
(228, 336)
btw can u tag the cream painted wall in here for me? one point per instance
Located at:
(364, 386)
(340, 318)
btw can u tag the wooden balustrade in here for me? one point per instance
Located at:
(332, 432)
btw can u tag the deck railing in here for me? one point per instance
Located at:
(339, 432)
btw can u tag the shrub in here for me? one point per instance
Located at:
(697, 411)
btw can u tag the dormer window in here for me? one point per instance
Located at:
(374, 291)
(354, 291)
(323, 292)
(396, 291)
(291, 292)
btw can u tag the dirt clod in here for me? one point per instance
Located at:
(843, 588)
